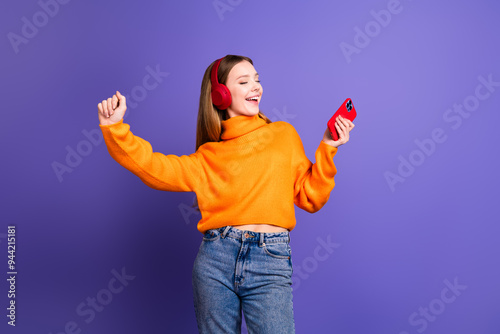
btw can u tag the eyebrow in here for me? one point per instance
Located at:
(247, 75)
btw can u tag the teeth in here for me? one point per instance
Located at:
(255, 98)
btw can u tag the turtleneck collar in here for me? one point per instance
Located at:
(239, 125)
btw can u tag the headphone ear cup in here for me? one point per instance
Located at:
(221, 97)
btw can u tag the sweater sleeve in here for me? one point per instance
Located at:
(313, 182)
(158, 171)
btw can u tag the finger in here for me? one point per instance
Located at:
(110, 106)
(115, 101)
(99, 107)
(343, 132)
(339, 130)
(342, 125)
(346, 134)
(122, 98)
(104, 108)
(344, 121)
(109, 103)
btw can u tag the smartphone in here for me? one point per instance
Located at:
(346, 110)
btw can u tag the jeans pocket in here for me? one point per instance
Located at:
(211, 235)
(279, 250)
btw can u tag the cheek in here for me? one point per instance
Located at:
(237, 94)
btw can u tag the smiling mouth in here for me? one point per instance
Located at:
(253, 100)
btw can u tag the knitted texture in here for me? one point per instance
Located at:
(254, 175)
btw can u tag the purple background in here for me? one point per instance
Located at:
(396, 247)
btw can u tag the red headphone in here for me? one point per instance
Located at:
(221, 97)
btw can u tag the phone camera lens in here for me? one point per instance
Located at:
(349, 105)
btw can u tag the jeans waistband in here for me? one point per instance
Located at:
(251, 236)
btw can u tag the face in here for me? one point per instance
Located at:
(243, 83)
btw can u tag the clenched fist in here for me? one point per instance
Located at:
(112, 110)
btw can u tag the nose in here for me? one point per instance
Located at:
(256, 86)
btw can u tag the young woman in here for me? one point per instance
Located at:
(247, 173)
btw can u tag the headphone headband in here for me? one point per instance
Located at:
(215, 69)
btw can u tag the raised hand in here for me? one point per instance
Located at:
(343, 126)
(112, 110)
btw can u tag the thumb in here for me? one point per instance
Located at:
(120, 96)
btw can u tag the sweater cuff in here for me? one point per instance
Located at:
(111, 125)
(329, 149)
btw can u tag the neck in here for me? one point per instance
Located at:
(240, 125)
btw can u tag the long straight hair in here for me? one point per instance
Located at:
(209, 123)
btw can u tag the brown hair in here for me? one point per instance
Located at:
(209, 123)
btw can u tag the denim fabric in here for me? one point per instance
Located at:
(247, 271)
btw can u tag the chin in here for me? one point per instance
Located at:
(253, 113)
(248, 112)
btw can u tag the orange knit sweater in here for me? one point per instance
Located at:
(254, 175)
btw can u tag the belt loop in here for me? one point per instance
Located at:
(288, 237)
(225, 232)
(261, 243)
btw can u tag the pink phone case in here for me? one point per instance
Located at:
(346, 110)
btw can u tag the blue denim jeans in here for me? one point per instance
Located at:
(247, 271)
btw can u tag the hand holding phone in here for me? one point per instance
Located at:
(346, 110)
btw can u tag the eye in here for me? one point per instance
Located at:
(242, 83)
